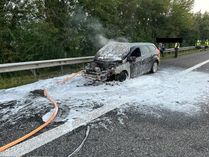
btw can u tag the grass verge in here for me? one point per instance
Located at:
(14, 79)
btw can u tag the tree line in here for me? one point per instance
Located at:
(48, 29)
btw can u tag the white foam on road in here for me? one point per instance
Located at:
(165, 89)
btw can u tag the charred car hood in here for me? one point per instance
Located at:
(113, 51)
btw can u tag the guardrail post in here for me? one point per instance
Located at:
(62, 70)
(34, 73)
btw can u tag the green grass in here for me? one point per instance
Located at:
(14, 79)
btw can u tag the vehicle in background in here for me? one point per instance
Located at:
(119, 61)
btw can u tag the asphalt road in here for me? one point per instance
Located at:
(138, 134)
(174, 134)
(188, 61)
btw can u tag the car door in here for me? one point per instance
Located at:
(136, 63)
(146, 58)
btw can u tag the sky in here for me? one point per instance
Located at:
(202, 5)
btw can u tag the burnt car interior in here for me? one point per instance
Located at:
(135, 54)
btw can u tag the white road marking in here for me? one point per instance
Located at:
(46, 137)
(194, 67)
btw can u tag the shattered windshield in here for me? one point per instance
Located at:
(113, 51)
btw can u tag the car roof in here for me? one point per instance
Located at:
(141, 44)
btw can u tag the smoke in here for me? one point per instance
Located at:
(96, 32)
(101, 40)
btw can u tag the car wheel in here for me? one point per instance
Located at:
(122, 76)
(154, 67)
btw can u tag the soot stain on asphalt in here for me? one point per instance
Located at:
(13, 132)
(37, 93)
(9, 104)
(27, 117)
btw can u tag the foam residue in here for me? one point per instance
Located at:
(163, 90)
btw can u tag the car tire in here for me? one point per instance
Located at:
(154, 67)
(122, 76)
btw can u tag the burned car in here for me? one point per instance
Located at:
(119, 61)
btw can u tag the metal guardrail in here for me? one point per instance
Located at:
(180, 49)
(12, 67)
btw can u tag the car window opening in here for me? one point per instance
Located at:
(136, 53)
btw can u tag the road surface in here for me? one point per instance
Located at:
(147, 131)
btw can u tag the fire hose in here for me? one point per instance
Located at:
(3, 148)
(53, 116)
